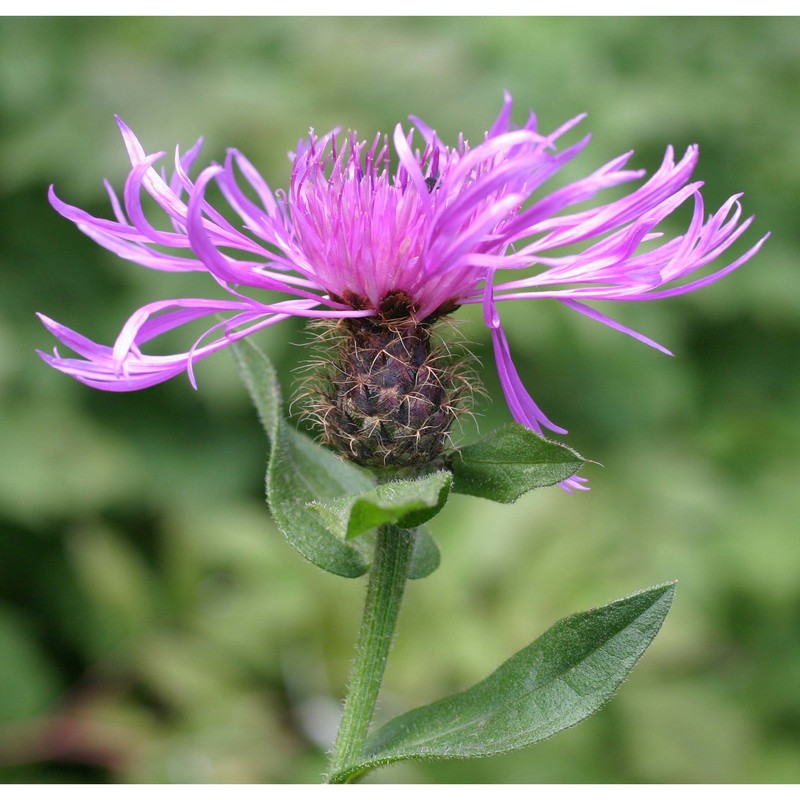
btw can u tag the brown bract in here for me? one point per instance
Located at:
(389, 388)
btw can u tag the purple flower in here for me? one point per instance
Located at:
(438, 230)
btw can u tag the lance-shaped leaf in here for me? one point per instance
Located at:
(563, 677)
(406, 503)
(301, 472)
(510, 462)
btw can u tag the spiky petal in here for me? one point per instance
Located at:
(439, 228)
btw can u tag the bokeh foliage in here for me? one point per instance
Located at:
(154, 626)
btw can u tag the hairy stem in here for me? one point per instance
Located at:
(387, 581)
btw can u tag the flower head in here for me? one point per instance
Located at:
(355, 239)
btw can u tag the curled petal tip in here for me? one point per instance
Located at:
(50, 324)
(334, 232)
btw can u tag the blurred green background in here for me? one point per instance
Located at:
(154, 625)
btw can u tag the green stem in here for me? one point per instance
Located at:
(387, 581)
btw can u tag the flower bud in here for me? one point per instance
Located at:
(390, 389)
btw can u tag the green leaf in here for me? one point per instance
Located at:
(406, 503)
(510, 462)
(563, 677)
(300, 472)
(426, 558)
(261, 381)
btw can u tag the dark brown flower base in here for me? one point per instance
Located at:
(389, 390)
